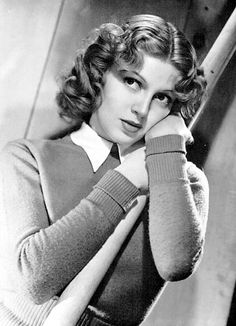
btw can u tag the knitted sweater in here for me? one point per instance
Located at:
(56, 213)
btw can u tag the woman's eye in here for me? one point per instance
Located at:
(163, 98)
(131, 82)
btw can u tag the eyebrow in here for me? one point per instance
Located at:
(122, 71)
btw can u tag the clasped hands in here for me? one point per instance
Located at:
(134, 165)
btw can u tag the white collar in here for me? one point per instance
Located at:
(96, 148)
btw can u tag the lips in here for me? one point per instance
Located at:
(131, 126)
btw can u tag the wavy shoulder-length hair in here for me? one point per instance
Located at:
(80, 94)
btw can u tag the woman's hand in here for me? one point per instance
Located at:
(134, 168)
(134, 165)
(172, 124)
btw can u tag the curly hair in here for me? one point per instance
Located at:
(79, 94)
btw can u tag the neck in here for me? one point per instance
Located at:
(127, 149)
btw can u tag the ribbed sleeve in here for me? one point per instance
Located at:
(166, 158)
(114, 188)
(175, 221)
(166, 144)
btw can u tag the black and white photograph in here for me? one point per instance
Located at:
(117, 163)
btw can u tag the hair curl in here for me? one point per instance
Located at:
(79, 95)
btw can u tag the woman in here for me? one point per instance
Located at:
(127, 93)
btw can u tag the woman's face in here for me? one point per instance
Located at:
(134, 100)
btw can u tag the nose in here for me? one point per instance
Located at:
(141, 108)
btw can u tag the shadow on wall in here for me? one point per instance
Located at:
(213, 115)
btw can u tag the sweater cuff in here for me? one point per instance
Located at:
(165, 157)
(114, 194)
(166, 144)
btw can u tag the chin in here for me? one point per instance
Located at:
(125, 141)
(126, 144)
